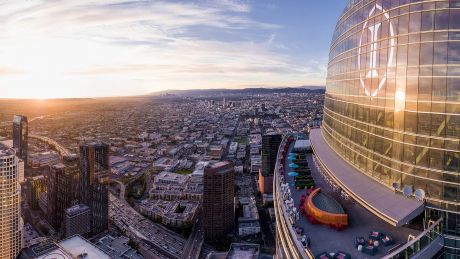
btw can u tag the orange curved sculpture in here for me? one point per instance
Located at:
(335, 220)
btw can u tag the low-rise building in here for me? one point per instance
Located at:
(171, 186)
(171, 178)
(215, 152)
(117, 247)
(238, 251)
(256, 162)
(267, 199)
(248, 224)
(38, 160)
(77, 220)
(172, 213)
(233, 148)
(199, 168)
(30, 236)
(248, 228)
(165, 163)
(73, 247)
(250, 213)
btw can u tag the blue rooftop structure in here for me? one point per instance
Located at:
(292, 165)
(293, 174)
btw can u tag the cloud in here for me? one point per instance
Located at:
(9, 71)
(163, 14)
(231, 5)
(67, 46)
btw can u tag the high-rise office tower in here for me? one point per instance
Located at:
(99, 204)
(10, 215)
(63, 189)
(218, 199)
(392, 105)
(35, 186)
(270, 145)
(94, 160)
(391, 130)
(20, 135)
(95, 168)
(77, 221)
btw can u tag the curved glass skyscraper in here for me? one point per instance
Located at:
(392, 105)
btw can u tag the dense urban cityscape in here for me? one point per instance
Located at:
(365, 167)
(135, 173)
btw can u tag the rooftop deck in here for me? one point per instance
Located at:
(361, 222)
(380, 200)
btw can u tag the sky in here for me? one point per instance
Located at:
(95, 48)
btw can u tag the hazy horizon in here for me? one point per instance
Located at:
(112, 48)
(310, 87)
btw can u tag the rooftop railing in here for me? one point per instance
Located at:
(422, 246)
(286, 212)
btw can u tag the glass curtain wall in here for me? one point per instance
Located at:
(392, 104)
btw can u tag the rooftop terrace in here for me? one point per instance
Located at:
(380, 200)
(361, 221)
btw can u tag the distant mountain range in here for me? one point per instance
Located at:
(245, 91)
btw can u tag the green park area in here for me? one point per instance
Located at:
(242, 141)
(136, 188)
(184, 171)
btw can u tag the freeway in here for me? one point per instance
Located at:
(161, 241)
(122, 189)
(137, 227)
(195, 242)
(62, 150)
(38, 118)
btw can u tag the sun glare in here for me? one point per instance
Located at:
(47, 68)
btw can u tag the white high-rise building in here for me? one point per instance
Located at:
(10, 216)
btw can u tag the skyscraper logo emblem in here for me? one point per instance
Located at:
(370, 40)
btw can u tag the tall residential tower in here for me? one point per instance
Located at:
(10, 215)
(20, 136)
(63, 191)
(218, 199)
(94, 169)
(270, 145)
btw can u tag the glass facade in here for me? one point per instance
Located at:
(20, 136)
(10, 214)
(392, 105)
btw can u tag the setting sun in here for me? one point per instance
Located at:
(112, 48)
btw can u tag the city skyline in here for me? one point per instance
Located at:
(366, 167)
(121, 48)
